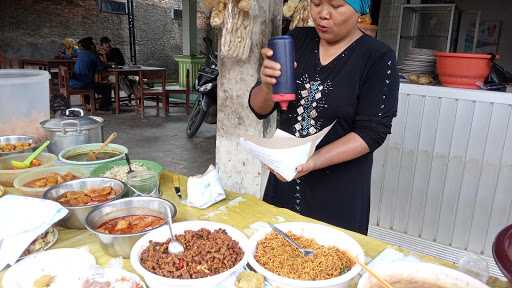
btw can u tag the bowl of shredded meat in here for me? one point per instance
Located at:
(333, 263)
(213, 252)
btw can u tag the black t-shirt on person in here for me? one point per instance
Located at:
(359, 90)
(115, 56)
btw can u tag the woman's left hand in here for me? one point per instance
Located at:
(305, 168)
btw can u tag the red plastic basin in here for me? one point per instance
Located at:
(462, 70)
(502, 251)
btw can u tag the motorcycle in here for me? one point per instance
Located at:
(205, 108)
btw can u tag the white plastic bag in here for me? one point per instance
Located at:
(205, 190)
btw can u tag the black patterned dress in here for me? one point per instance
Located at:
(359, 90)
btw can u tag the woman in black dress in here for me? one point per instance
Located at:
(345, 76)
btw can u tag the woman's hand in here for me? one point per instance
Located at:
(270, 69)
(302, 170)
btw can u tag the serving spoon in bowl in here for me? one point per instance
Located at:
(92, 154)
(174, 247)
(304, 251)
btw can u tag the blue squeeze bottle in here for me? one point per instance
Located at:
(283, 48)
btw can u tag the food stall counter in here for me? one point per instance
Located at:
(237, 210)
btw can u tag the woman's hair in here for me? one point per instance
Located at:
(69, 43)
(87, 43)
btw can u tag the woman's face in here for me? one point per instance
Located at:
(334, 19)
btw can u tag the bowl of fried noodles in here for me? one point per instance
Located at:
(332, 265)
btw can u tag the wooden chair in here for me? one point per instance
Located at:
(158, 80)
(4, 61)
(64, 89)
(176, 89)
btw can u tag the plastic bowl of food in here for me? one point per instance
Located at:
(77, 155)
(463, 70)
(334, 266)
(119, 224)
(83, 195)
(8, 173)
(119, 169)
(230, 245)
(35, 183)
(407, 274)
(15, 144)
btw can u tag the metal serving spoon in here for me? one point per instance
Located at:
(174, 247)
(304, 251)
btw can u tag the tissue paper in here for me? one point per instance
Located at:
(205, 190)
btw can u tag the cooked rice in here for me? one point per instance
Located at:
(276, 255)
(121, 172)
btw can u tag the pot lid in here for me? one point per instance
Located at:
(72, 119)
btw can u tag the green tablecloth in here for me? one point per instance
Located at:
(237, 210)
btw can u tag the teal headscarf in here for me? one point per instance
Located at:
(361, 6)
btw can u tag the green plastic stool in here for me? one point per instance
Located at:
(191, 63)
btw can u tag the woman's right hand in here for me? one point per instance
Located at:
(270, 69)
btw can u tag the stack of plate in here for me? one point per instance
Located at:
(418, 61)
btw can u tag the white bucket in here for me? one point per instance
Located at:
(24, 101)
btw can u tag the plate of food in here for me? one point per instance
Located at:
(214, 252)
(42, 242)
(119, 169)
(50, 269)
(332, 265)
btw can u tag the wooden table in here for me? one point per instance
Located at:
(130, 70)
(239, 211)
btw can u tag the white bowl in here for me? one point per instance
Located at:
(162, 234)
(323, 235)
(22, 179)
(424, 274)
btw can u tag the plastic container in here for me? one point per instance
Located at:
(7, 174)
(283, 48)
(24, 178)
(85, 148)
(463, 70)
(25, 99)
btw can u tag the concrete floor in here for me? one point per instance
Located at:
(163, 139)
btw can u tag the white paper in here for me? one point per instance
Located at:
(284, 152)
(23, 219)
(205, 190)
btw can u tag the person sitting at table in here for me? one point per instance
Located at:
(70, 49)
(84, 72)
(113, 56)
(109, 54)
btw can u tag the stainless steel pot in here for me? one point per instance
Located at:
(73, 129)
(76, 216)
(121, 245)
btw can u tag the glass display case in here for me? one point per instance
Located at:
(427, 26)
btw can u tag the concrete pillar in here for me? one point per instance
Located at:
(239, 171)
(189, 27)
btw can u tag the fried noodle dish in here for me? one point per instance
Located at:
(276, 255)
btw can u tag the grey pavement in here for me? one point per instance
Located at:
(163, 139)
